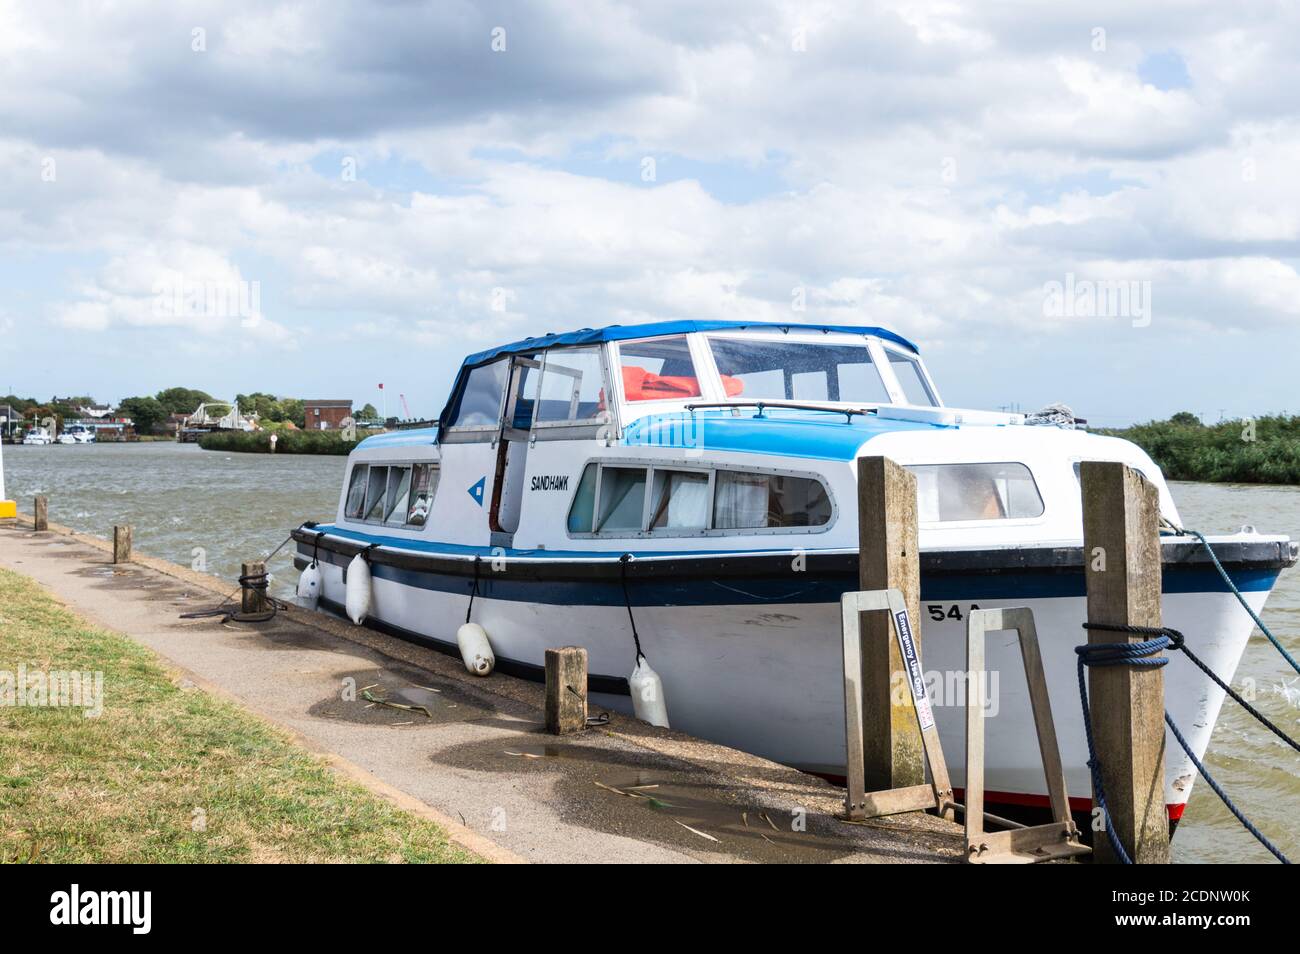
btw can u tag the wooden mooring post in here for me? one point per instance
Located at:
(1121, 558)
(252, 587)
(892, 756)
(41, 513)
(121, 544)
(566, 690)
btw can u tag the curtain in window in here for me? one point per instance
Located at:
(741, 501)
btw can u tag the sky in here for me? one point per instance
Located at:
(1092, 203)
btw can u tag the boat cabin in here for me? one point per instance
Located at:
(690, 435)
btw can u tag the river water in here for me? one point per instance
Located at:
(211, 510)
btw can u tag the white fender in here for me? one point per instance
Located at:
(358, 598)
(648, 694)
(475, 649)
(309, 586)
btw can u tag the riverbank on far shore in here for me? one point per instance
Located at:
(287, 441)
(1259, 450)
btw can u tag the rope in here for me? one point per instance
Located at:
(1143, 655)
(1237, 593)
(473, 588)
(1218, 790)
(1112, 654)
(627, 601)
(1178, 641)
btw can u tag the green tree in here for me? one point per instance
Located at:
(368, 413)
(145, 412)
(182, 400)
(1186, 419)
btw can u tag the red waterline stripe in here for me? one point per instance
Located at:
(1042, 801)
(1018, 798)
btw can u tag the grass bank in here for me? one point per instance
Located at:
(165, 773)
(290, 442)
(1264, 450)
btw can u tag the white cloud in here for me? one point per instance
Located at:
(925, 165)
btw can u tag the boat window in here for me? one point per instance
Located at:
(963, 492)
(424, 484)
(356, 502)
(759, 369)
(572, 387)
(680, 500)
(376, 492)
(751, 501)
(622, 498)
(910, 379)
(479, 403)
(659, 369)
(611, 498)
(399, 496)
(583, 511)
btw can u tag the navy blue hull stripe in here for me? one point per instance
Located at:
(790, 588)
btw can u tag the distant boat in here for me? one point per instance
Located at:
(77, 434)
(38, 435)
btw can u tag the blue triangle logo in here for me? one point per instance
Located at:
(477, 491)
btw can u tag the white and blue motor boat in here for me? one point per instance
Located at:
(703, 474)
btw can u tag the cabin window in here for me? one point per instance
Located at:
(572, 387)
(622, 499)
(763, 370)
(399, 496)
(750, 501)
(356, 502)
(479, 404)
(393, 495)
(659, 369)
(908, 372)
(611, 499)
(680, 500)
(964, 492)
(376, 494)
(424, 484)
(582, 513)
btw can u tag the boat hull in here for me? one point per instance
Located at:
(754, 660)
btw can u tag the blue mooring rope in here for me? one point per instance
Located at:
(1237, 593)
(1143, 655)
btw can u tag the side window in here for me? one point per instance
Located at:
(399, 496)
(752, 501)
(680, 500)
(622, 499)
(479, 403)
(963, 492)
(424, 484)
(356, 502)
(612, 499)
(582, 514)
(659, 369)
(376, 493)
(572, 389)
(910, 379)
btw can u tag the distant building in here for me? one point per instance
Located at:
(97, 411)
(326, 415)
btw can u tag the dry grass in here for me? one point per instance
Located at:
(168, 774)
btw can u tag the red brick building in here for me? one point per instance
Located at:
(326, 415)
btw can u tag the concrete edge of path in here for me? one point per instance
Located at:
(458, 833)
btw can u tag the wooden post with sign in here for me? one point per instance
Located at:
(890, 731)
(1121, 559)
(888, 559)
